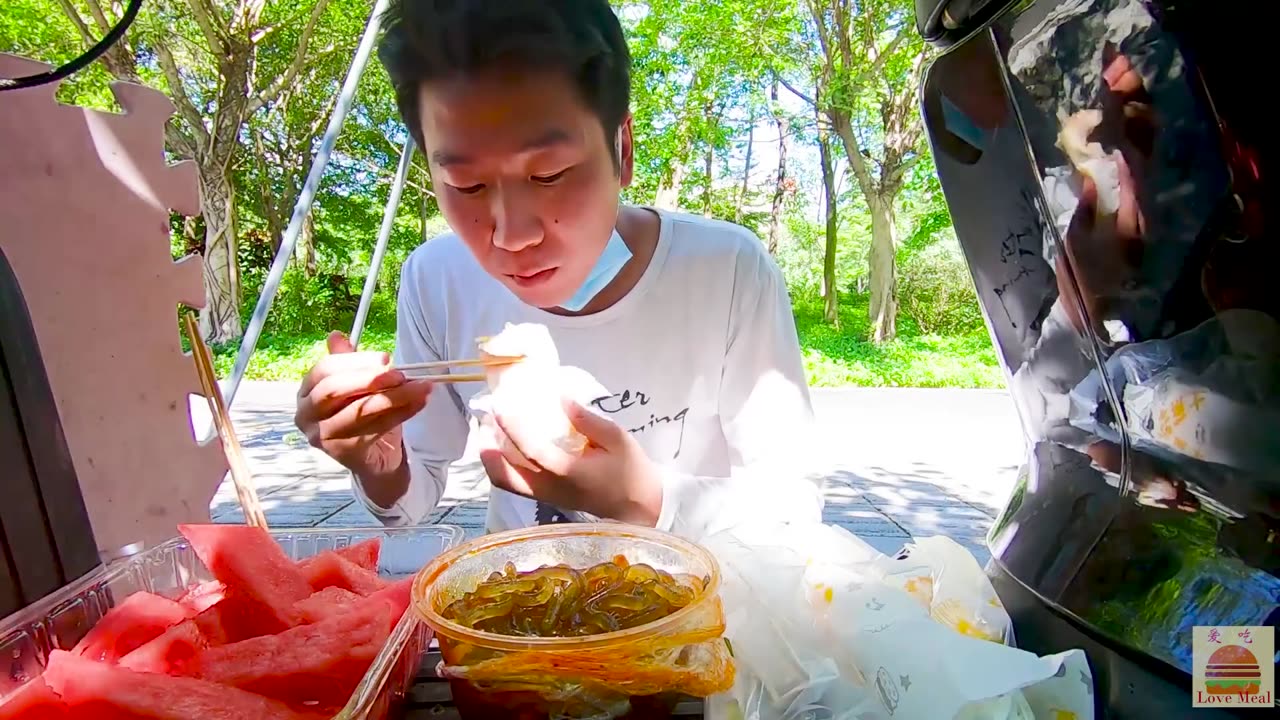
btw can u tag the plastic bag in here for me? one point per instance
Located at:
(948, 582)
(1211, 394)
(824, 626)
(533, 395)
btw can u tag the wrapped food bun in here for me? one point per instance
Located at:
(529, 341)
(1090, 159)
(532, 396)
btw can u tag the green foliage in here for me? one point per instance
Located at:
(835, 358)
(936, 291)
(289, 357)
(702, 75)
(38, 30)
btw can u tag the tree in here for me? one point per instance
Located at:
(831, 203)
(780, 180)
(697, 85)
(870, 67)
(212, 55)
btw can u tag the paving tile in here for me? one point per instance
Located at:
(353, 515)
(884, 492)
(955, 521)
(468, 515)
(863, 522)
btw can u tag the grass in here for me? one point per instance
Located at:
(838, 358)
(289, 357)
(832, 358)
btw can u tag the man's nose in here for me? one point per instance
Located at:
(516, 222)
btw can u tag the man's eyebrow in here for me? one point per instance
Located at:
(547, 139)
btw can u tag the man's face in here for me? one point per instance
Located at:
(524, 175)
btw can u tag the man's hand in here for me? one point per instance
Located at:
(351, 405)
(611, 479)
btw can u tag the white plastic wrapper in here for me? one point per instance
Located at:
(532, 392)
(824, 626)
(1211, 393)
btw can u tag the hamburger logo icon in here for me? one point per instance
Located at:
(1232, 670)
(1234, 666)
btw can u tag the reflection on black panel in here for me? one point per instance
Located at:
(1105, 163)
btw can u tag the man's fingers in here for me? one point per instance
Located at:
(544, 455)
(338, 342)
(340, 363)
(378, 413)
(333, 392)
(599, 430)
(504, 475)
(1128, 215)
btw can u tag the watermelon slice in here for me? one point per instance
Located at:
(106, 692)
(174, 647)
(329, 569)
(140, 618)
(320, 663)
(325, 603)
(255, 569)
(34, 701)
(201, 597)
(365, 554)
(397, 596)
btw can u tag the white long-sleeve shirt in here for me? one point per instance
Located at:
(701, 356)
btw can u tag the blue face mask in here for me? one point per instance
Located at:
(615, 256)
(963, 127)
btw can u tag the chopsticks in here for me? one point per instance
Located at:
(239, 467)
(410, 369)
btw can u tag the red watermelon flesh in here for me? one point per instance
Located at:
(174, 647)
(325, 603)
(140, 618)
(397, 596)
(105, 692)
(365, 554)
(319, 663)
(254, 568)
(201, 597)
(329, 569)
(35, 701)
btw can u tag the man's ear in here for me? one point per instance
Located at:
(626, 152)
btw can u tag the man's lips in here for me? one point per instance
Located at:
(532, 279)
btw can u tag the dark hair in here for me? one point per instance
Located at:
(427, 40)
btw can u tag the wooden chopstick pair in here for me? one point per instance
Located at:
(239, 467)
(411, 369)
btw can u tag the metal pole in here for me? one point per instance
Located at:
(384, 237)
(300, 209)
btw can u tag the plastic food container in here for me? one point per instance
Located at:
(60, 620)
(634, 673)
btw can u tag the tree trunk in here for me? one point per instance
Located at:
(830, 292)
(668, 195)
(746, 172)
(709, 167)
(306, 250)
(192, 236)
(881, 264)
(220, 317)
(883, 311)
(779, 187)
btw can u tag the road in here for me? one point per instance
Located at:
(896, 463)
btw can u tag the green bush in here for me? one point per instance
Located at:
(326, 301)
(935, 291)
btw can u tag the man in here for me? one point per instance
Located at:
(522, 111)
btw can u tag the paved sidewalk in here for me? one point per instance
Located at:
(896, 463)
